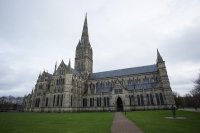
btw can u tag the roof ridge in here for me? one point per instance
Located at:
(124, 68)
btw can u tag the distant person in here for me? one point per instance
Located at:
(197, 105)
(173, 111)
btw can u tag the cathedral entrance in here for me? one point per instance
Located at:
(119, 104)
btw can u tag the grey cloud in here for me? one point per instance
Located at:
(185, 47)
(36, 34)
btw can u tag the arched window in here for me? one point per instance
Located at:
(100, 102)
(148, 100)
(138, 99)
(146, 80)
(108, 101)
(101, 84)
(38, 102)
(61, 101)
(97, 85)
(142, 101)
(97, 102)
(104, 101)
(129, 81)
(46, 101)
(151, 97)
(154, 79)
(54, 99)
(90, 102)
(136, 81)
(132, 100)
(157, 99)
(161, 99)
(83, 102)
(58, 100)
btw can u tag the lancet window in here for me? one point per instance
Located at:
(91, 102)
(40, 87)
(60, 81)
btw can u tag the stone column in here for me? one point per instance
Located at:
(144, 96)
(135, 98)
(95, 89)
(154, 97)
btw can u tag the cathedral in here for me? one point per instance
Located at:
(80, 89)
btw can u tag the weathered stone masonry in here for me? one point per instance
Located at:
(79, 89)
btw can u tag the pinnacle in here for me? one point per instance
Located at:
(159, 57)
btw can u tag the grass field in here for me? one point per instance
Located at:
(55, 122)
(101, 122)
(154, 121)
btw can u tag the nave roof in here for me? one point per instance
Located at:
(124, 72)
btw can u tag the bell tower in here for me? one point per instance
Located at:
(83, 58)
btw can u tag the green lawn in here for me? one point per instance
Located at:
(154, 121)
(101, 122)
(55, 122)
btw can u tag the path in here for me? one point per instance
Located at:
(191, 109)
(123, 125)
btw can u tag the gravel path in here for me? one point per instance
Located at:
(123, 125)
(191, 109)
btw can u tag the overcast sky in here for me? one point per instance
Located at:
(123, 33)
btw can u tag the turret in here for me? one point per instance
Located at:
(69, 71)
(55, 68)
(163, 78)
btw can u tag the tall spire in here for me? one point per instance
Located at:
(69, 68)
(159, 57)
(85, 35)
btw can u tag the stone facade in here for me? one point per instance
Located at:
(79, 89)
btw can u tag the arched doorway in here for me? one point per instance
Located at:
(119, 104)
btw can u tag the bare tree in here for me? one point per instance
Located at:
(3, 99)
(178, 100)
(196, 91)
(11, 99)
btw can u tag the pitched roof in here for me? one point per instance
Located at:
(50, 76)
(123, 72)
(75, 72)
